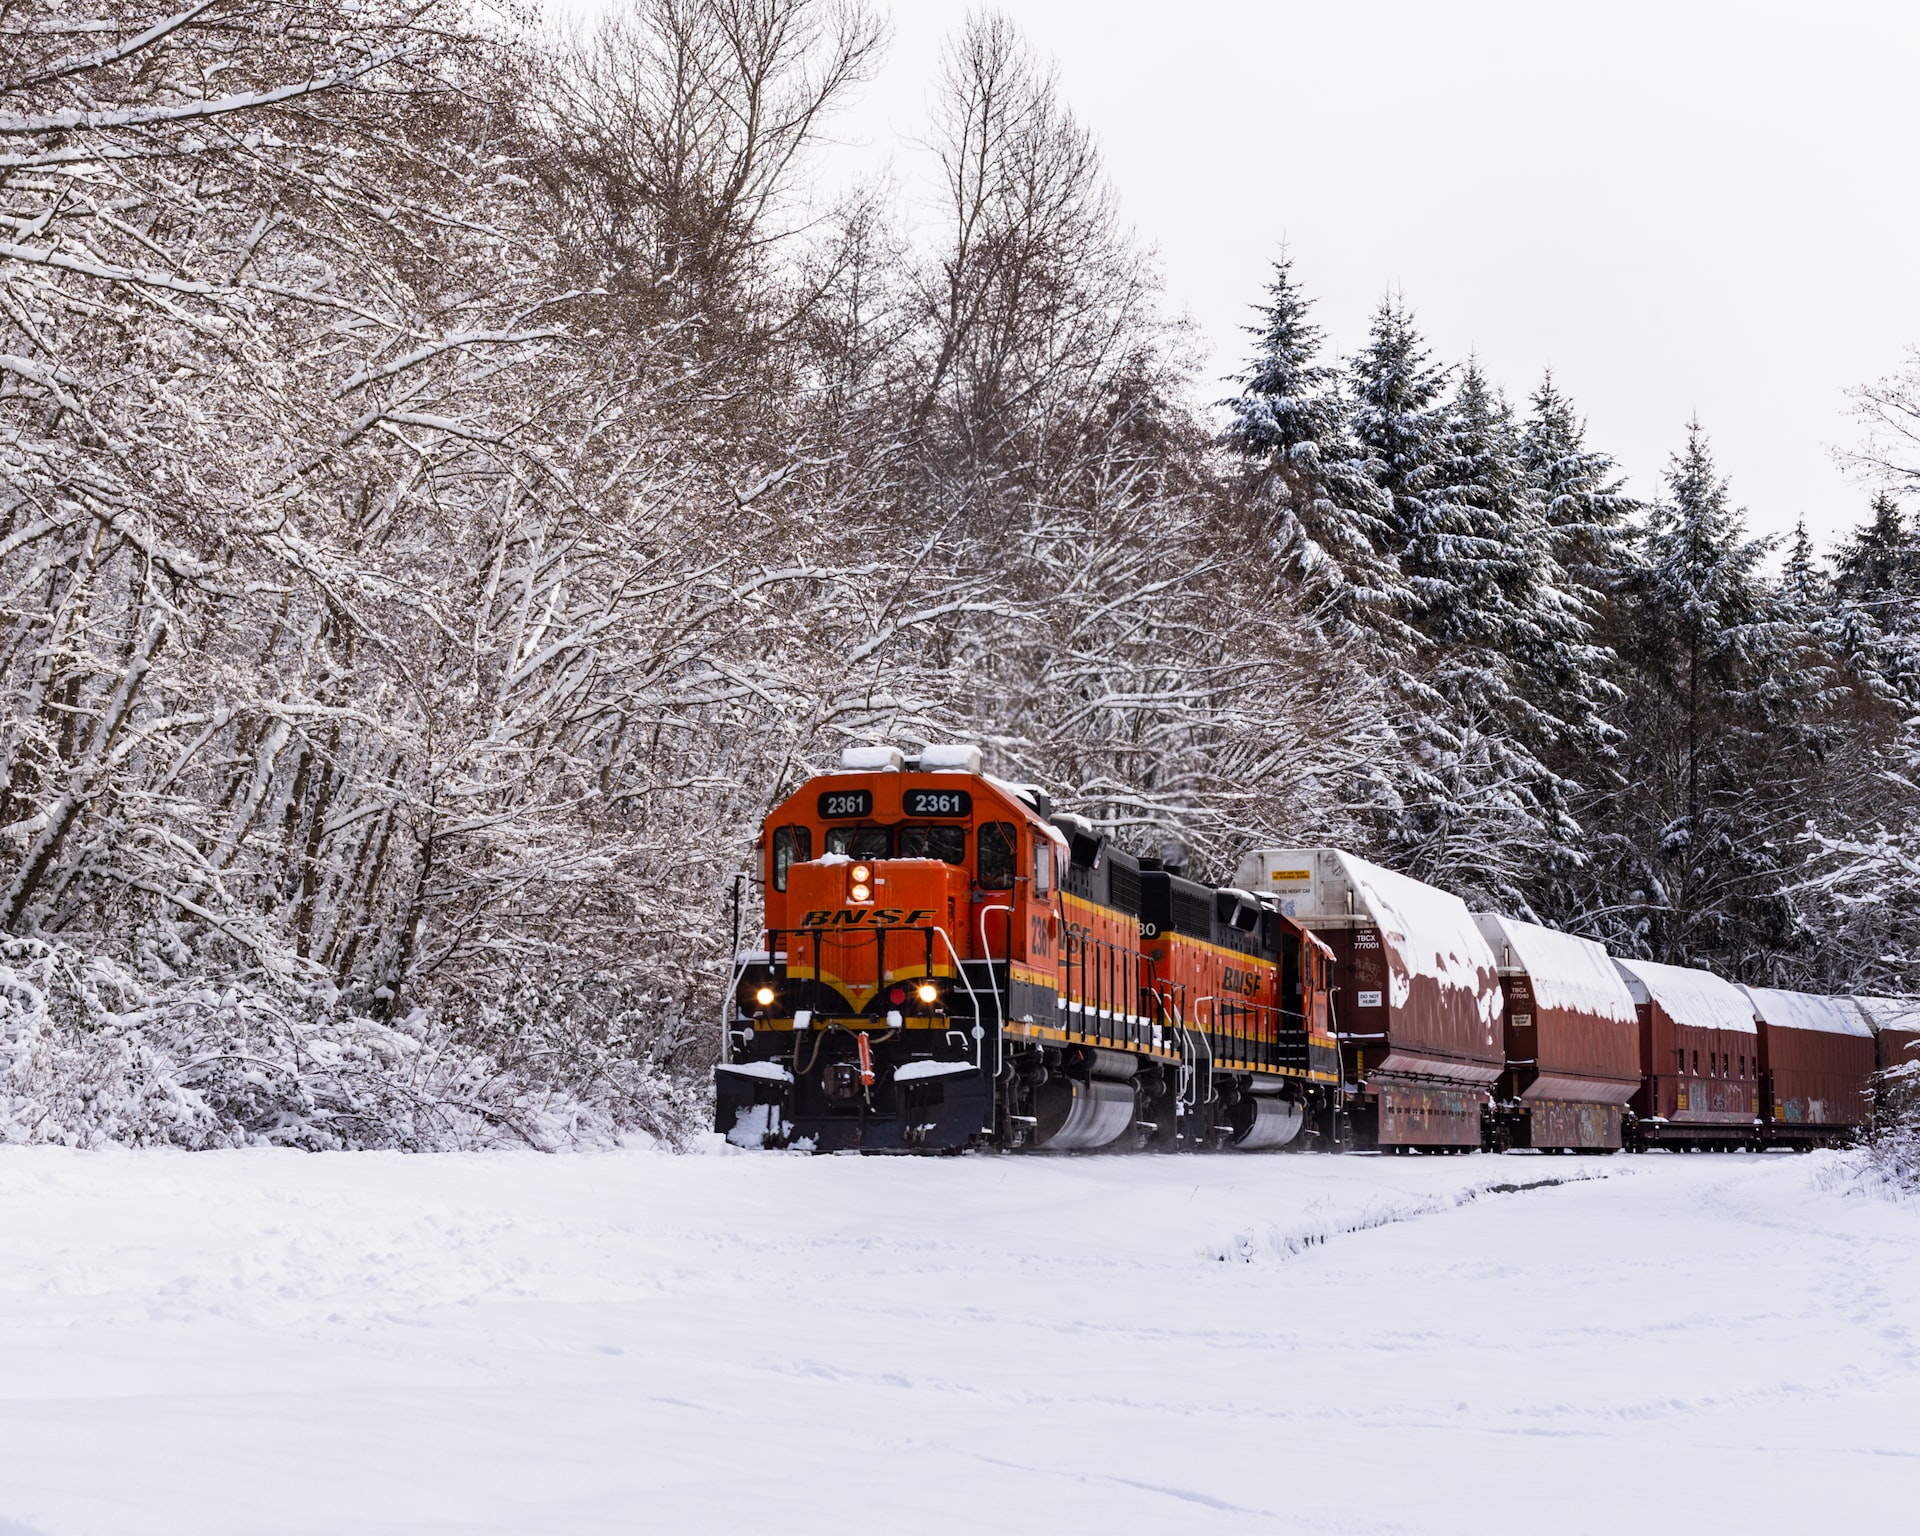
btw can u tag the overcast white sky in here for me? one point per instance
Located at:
(1677, 207)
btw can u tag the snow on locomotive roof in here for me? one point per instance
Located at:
(956, 758)
(871, 759)
(1891, 1012)
(1033, 797)
(1807, 1010)
(947, 758)
(1693, 997)
(1565, 972)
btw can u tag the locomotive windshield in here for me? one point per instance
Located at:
(858, 842)
(949, 843)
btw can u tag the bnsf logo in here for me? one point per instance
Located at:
(881, 917)
(1240, 983)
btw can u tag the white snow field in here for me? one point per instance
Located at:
(277, 1342)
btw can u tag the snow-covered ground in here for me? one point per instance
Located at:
(270, 1343)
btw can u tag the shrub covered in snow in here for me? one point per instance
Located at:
(1893, 1151)
(150, 1051)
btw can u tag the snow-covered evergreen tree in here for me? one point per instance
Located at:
(1485, 545)
(1560, 677)
(1324, 516)
(1701, 591)
(1878, 568)
(1509, 648)
(1583, 498)
(1803, 582)
(1480, 807)
(1715, 773)
(1403, 423)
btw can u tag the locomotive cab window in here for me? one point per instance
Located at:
(948, 843)
(791, 845)
(1042, 866)
(858, 842)
(997, 856)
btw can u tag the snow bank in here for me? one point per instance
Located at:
(1808, 1010)
(253, 1342)
(1565, 972)
(1692, 997)
(147, 1052)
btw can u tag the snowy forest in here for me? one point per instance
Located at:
(454, 478)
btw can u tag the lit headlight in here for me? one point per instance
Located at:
(860, 893)
(927, 992)
(861, 874)
(764, 997)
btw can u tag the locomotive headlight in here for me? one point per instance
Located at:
(861, 874)
(764, 997)
(927, 992)
(860, 893)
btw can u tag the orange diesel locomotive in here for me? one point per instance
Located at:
(947, 963)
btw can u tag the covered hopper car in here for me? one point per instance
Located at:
(1895, 1022)
(1816, 1061)
(1700, 1059)
(1572, 1033)
(1416, 994)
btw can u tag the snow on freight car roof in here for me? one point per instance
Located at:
(1891, 1012)
(1566, 972)
(1429, 932)
(1697, 998)
(1807, 1010)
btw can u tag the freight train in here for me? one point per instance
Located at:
(949, 961)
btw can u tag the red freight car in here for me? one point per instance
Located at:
(1816, 1067)
(1572, 1039)
(1895, 1022)
(1699, 1059)
(1416, 998)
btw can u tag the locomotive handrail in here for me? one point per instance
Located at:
(1238, 1024)
(1204, 1038)
(979, 1042)
(729, 1004)
(999, 1013)
(1109, 993)
(1170, 998)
